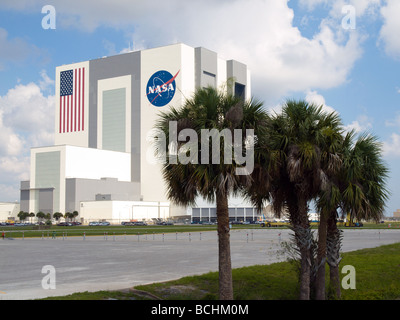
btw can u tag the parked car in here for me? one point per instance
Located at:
(207, 223)
(64, 224)
(104, 223)
(140, 223)
(128, 223)
(165, 223)
(94, 223)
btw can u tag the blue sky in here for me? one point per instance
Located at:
(295, 49)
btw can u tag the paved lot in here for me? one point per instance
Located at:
(96, 263)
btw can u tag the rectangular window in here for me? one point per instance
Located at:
(240, 90)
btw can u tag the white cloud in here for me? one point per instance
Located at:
(259, 33)
(362, 124)
(391, 148)
(46, 83)
(394, 122)
(15, 167)
(9, 193)
(26, 120)
(389, 35)
(319, 100)
(362, 7)
(25, 111)
(17, 50)
(10, 142)
(11, 50)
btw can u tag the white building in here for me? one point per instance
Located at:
(105, 109)
(9, 210)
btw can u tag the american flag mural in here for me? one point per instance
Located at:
(72, 100)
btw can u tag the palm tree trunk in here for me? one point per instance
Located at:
(303, 238)
(224, 247)
(333, 256)
(321, 258)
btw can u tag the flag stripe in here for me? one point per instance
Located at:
(79, 93)
(83, 99)
(60, 114)
(64, 114)
(67, 97)
(75, 102)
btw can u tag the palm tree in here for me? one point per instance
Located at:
(327, 205)
(40, 215)
(22, 215)
(31, 215)
(196, 169)
(68, 215)
(57, 215)
(75, 214)
(359, 188)
(299, 150)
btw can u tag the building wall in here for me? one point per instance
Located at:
(118, 211)
(45, 202)
(117, 72)
(8, 210)
(239, 210)
(53, 165)
(174, 59)
(197, 68)
(104, 117)
(78, 190)
(24, 196)
(206, 68)
(88, 163)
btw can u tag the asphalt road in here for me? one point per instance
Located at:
(96, 263)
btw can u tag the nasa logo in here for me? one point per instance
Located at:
(161, 88)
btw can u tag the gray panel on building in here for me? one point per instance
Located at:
(206, 64)
(237, 72)
(46, 200)
(47, 176)
(24, 196)
(114, 120)
(78, 190)
(117, 66)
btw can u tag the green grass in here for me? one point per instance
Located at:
(78, 231)
(258, 282)
(377, 273)
(377, 278)
(99, 295)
